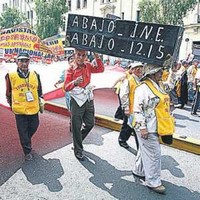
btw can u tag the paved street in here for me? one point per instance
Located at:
(106, 173)
(55, 173)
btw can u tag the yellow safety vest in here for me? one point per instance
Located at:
(165, 75)
(165, 122)
(20, 86)
(132, 85)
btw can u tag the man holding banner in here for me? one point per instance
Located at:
(77, 82)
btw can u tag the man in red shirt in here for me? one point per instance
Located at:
(77, 82)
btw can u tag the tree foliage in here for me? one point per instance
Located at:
(49, 17)
(165, 11)
(11, 17)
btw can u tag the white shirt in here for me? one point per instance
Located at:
(124, 92)
(190, 73)
(81, 95)
(171, 80)
(145, 102)
(197, 76)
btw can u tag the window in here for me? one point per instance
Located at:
(31, 14)
(78, 4)
(69, 5)
(28, 14)
(198, 18)
(5, 6)
(138, 15)
(84, 3)
(16, 3)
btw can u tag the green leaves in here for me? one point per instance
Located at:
(11, 17)
(49, 17)
(165, 11)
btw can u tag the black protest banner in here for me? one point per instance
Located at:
(138, 41)
(91, 33)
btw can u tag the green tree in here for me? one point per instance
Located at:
(50, 17)
(165, 11)
(11, 17)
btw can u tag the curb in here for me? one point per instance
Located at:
(187, 144)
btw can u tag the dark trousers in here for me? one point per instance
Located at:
(26, 125)
(196, 101)
(82, 121)
(126, 131)
(119, 111)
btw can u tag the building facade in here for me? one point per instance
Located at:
(24, 6)
(190, 46)
(105, 8)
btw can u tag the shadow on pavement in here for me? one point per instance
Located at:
(132, 150)
(95, 137)
(52, 134)
(183, 117)
(122, 185)
(171, 165)
(43, 171)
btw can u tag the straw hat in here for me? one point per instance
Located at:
(135, 64)
(151, 69)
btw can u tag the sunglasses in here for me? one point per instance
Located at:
(23, 60)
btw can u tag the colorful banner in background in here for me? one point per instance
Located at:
(55, 45)
(22, 38)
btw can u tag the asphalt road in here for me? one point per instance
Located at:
(106, 173)
(55, 173)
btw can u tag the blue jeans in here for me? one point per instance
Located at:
(67, 99)
(190, 91)
(195, 104)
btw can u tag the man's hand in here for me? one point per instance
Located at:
(96, 55)
(78, 80)
(57, 83)
(144, 133)
(127, 112)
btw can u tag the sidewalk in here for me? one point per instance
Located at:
(55, 173)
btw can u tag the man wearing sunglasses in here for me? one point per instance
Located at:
(23, 90)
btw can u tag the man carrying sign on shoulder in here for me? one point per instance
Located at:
(77, 82)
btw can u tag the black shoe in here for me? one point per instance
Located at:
(142, 177)
(195, 114)
(123, 144)
(79, 156)
(28, 157)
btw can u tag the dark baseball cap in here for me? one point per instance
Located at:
(23, 55)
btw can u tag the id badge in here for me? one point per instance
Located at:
(29, 96)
